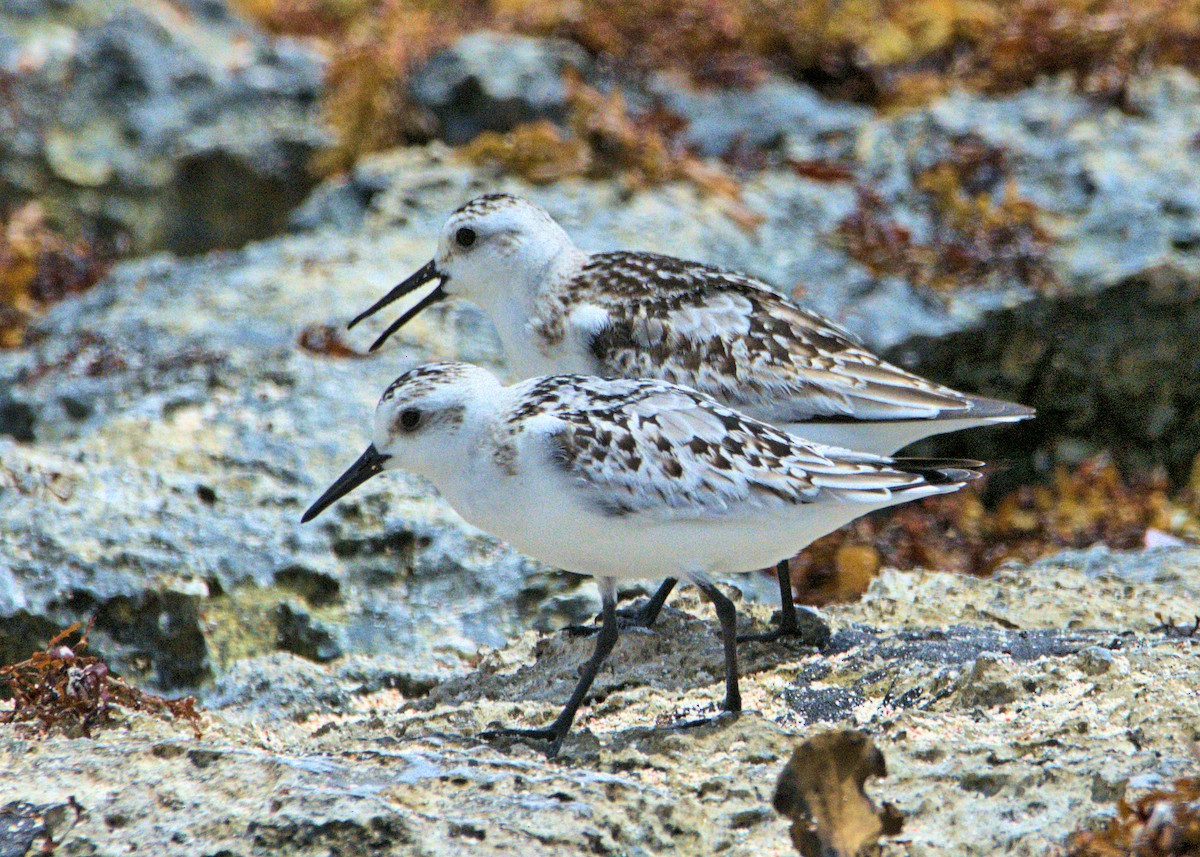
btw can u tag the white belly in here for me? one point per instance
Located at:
(551, 525)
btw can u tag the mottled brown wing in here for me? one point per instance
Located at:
(648, 447)
(731, 337)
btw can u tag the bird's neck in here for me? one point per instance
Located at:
(520, 318)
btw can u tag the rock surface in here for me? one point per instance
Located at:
(155, 124)
(160, 436)
(1002, 733)
(492, 81)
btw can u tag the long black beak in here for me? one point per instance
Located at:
(427, 272)
(369, 464)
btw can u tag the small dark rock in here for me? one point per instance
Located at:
(987, 785)
(318, 589)
(749, 817)
(204, 758)
(17, 418)
(467, 830)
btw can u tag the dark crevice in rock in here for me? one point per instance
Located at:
(299, 633)
(156, 633)
(1117, 370)
(222, 200)
(314, 587)
(22, 634)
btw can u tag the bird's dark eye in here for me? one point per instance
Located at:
(410, 418)
(465, 236)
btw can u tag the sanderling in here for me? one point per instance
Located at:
(641, 315)
(626, 479)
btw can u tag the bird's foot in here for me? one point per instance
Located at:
(806, 628)
(550, 735)
(718, 718)
(628, 619)
(770, 636)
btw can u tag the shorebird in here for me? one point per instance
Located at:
(558, 308)
(626, 479)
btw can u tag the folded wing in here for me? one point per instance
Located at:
(733, 338)
(650, 448)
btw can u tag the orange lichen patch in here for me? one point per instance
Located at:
(982, 233)
(537, 151)
(1162, 823)
(1090, 504)
(63, 688)
(366, 98)
(604, 141)
(714, 41)
(38, 268)
(1101, 44)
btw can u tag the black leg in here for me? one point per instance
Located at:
(605, 640)
(646, 615)
(643, 617)
(727, 614)
(788, 624)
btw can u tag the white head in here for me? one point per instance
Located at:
(493, 251)
(497, 244)
(425, 423)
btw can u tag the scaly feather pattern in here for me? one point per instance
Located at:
(649, 447)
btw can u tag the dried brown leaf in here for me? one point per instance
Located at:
(821, 790)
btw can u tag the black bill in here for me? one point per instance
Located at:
(427, 272)
(369, 464)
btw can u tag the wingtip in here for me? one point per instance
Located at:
(942, 471)
(1000, 410)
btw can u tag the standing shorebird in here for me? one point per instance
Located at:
(558, 309)
(626, 479)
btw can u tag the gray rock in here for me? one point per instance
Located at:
(493, 81)
(186, 132)
(776, 113)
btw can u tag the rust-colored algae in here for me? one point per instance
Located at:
(62, 688)
(887, 54)
(1162, 823)
(982, 232)
(326, 340)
